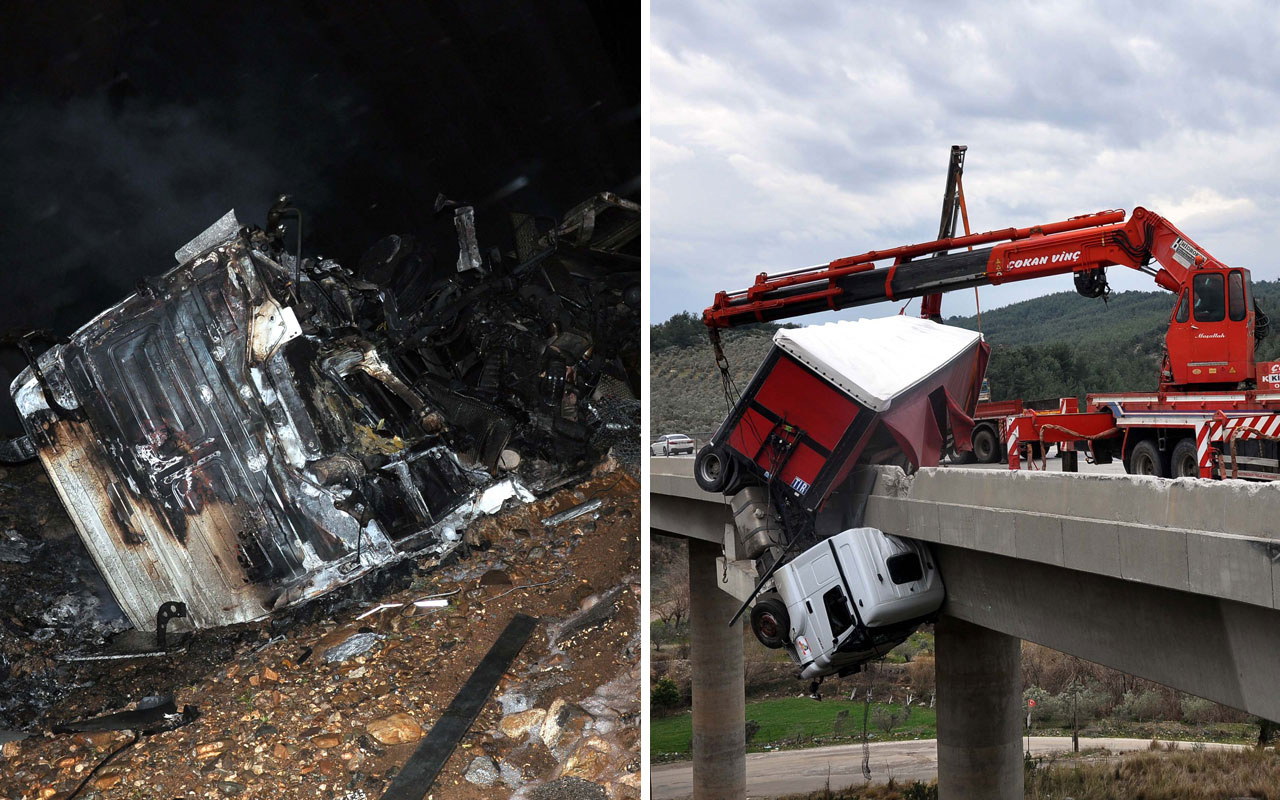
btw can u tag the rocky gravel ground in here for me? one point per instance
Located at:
(330, 701)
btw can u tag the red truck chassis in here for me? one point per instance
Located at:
(1169, 434)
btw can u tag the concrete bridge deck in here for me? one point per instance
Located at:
(1172, 580)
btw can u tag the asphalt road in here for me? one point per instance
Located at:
(793, 771)
(1054, 464)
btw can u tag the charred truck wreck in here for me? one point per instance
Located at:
(250, 430)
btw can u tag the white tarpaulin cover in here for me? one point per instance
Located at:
(876, 360)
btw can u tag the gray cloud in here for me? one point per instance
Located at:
(791, 134)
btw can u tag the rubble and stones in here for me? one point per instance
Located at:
(399, 728)
(355, 645)
(483, 771)
(307, 732)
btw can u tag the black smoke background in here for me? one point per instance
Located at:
(126, 129)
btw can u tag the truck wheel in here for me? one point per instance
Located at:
(1185, 462)
(985, 446)
(711, 469)
(770, 623)
(733, 481)
(1146, 459)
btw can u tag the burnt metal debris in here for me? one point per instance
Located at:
(151, 715)
(166, 612)
(419, 773)
(253, 429)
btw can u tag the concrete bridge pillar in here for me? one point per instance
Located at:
(719, 697)
(979, 684)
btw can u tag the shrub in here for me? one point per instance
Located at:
(665, 693)
(1197, 710)
(843, 727)
(885, 718)
(920, 791)
(1141, 706)
(921, 674)
(661, 632)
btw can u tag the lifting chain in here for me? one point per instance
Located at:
(718, 349)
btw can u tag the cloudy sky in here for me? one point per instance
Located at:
(789, 134)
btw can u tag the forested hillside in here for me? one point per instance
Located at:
(1058, 345)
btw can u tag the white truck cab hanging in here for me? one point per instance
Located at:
(847, 600)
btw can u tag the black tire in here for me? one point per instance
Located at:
(770, 622)
(986, 447)
(963, 457)
(1146, 459)
(733, 479)
(711, 469)
(1185, 461)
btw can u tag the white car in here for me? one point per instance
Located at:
(671, 444)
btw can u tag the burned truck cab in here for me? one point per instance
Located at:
(174, 428)
(251, 430)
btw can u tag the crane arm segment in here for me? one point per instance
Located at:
(1080, 244)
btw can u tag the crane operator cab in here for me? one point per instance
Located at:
(848, 599)
(1213, 330)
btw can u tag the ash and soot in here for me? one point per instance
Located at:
(266, 520)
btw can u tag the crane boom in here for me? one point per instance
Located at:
(1219, 351)
(1075, 245)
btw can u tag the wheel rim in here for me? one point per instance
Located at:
(983, 446)
(711, 468)
(1143, 464)
(769, 626)
(1186, 467)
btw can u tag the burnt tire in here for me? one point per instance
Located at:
(770, 622)
(986, 447)
(711, 469)
(1146, 459)
(1185, 461)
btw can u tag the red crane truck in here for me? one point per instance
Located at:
(1216, 411)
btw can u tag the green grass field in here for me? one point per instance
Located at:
(795, 721)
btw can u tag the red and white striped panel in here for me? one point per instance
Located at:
(1219, 430)
(1206, 432)
(1011, 443)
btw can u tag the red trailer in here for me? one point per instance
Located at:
(991, 424)
(1166, 434)
(828, 395)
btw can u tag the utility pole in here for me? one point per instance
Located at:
(1075, 717)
